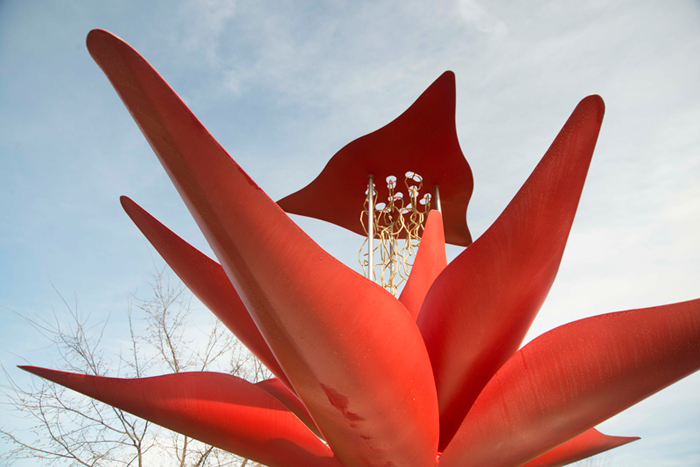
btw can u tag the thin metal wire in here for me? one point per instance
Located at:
(370, 226)
(401, 216)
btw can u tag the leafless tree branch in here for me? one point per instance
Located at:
(68, 428)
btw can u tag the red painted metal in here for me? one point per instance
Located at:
(382, 391)
(428, 264)
(279, 391)
(422, 140)
(587, 444)
(350, 349)
(479, 309)
(207, 280)
(574, 377)
(218, 409)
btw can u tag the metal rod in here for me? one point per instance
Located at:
(370, 229)
(392, 261)
(438, 206)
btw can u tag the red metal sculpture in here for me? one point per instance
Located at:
(432, 377)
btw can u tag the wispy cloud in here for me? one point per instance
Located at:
(205, 21)
(284, 85)
(477, 16)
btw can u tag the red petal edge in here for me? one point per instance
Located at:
(574, 377)
(207, 280)
(587, 444)
(351, 351)
(430, 260)
(479, 309)
(279, 391)
(218, 409)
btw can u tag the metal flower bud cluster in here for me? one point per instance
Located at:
(398, 225)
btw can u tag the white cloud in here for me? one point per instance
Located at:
(232, 82)
(205, 21)
(286, 84)
(477, 16)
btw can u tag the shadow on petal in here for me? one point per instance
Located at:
(423, 140)
(207, 280)
(326, 325)
(279, 391)
(587, 444)
(430, 260)
(218, 409)
(572, 378)
(480, 307)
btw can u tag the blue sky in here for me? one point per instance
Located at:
(284, 85)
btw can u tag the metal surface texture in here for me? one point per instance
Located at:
(434, 377)
(587, 444)
(422, 140)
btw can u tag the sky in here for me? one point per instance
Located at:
(283, 85)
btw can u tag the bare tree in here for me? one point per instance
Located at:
(79, 431)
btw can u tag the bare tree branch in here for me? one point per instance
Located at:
(68, 428)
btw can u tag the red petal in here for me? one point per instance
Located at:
(422, 140)
(218, 409)
(587, 444)
(279, 391)
(574, 377)
(479, 309)
(351, 351)
(207, 280)
(429, 263)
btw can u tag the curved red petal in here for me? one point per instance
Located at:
(423, 140)
(351, 351)
(207, 280)
(279, 391)
(479, 309)
(574, 377)
(587, 444)
(430, 260)
(218, 409)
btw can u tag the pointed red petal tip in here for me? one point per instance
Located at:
(470, 332)
(215, 408)
(423, 139)
(613, 361)
(207, 281)
(37, 370)
(595, 104)
(430, 260)
(587, 444)
(448, 75)
(96, 36)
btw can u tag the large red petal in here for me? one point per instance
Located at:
(587, 444)
(218, 409)
(423, 140)
(479, 309)
(207, 280)
(351, 351)
(430, 260)
(574, 377)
